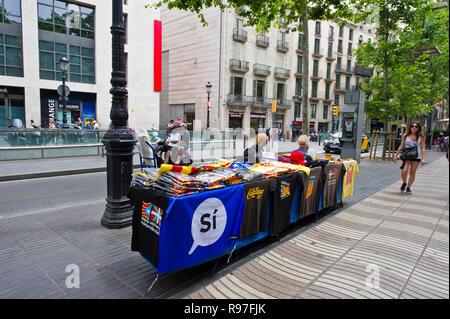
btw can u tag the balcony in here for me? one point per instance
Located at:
(239, 100)
(239, 35)
(328, 80)
(362, 71)
(330, 58)
(317, 55)
(282, 46)
(261, 69)
(261, 101)
(343, 71)
(281, 73)
(239, 66)
(284, 104)
(262, 41)
(339, 90)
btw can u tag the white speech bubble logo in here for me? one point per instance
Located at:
(208, 223)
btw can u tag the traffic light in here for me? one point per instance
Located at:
(336, 110)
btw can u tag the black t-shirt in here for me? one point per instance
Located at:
(256, 199)
(311, 192)
(282, 201)
(333, 174)
(149, 210)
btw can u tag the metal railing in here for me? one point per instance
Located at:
(261, 69)
(239, 65)
(282, 46)
(239, 35)
(282, 73)
(262, 41)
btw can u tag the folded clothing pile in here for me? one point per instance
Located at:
(144, 179)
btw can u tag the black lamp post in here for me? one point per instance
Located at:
(119, 141)
(64, 66)
(208, 90)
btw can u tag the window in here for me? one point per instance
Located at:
(327, 91)
(11, 62)
(259, 89)
(299, 63)
(339, 63)
(328, 70)
(316, 46)
(330, 34)
(349, 49)
(338, 81)
(67, 18)
(347, 83)
(298, 109)
(281, 91)
(336, 99)
(11, 12)
(314, 89)
(349, 65)
(300, 41)
(298, 87)
(282, 37)
(340, 46)
(316, 68)
(237, 86)
(313, 111)
(350, 35)
(341, 32)
(81, 67)
(325, 112)
(317, 27)
(330, 49)
(239, 24)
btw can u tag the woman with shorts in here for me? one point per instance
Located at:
(413, 137)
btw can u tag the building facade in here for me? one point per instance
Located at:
(35, 34)
(248, 70)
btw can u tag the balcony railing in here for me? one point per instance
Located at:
(282, 73)
(362, 71)
(239, 66)
(285, 104)
(261, 69)
(262, 41)
(317, 54)
(282, 46)
(239, 99)
(261, 101)
(239, 35)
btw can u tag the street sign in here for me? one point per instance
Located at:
(60, 90)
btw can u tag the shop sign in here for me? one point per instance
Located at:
(51, 108)
(70, 105)
(258, 115)
(237, 115)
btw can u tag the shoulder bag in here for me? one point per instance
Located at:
(409, 153)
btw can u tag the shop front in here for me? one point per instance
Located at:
(235, 119)
(296, 130)
(79, 105)
(257, 122)
(12, 105)
(323, 127)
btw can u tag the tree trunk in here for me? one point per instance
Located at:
(386, 94)
(305, 75)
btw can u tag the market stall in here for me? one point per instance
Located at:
(185, 216)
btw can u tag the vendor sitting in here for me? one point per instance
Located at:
(303, 143)
(253, 153)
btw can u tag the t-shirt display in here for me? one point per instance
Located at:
(149, 210)
(351, 168)
(256, 197)
(283, 196)
(311, 195)
(333, 173)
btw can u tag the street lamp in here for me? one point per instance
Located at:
(208, 90)
(64, 66)
(118, 140)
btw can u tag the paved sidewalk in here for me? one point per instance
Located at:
(390, 245)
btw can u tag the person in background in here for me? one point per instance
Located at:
(413, 137)
(58, 124)
(79, 124)
(303, 143)
(34, 125)
(179, 120)
(253, 153)
(51, 124)
(95, 125)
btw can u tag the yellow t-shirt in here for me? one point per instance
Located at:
(351, 168)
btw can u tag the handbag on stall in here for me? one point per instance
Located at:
(409, 153)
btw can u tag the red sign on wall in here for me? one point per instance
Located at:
(157, 46)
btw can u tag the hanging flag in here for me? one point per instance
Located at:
(274, 106)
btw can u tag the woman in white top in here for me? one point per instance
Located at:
(413, 136)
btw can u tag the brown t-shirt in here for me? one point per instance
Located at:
(333, 173)
(312, 186)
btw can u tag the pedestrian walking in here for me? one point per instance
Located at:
(413, 153)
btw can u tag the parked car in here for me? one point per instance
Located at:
(333, 143)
